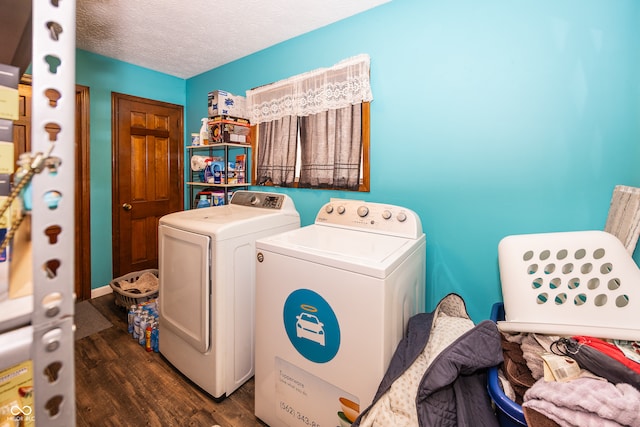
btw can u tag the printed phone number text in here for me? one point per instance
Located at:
(298, 415)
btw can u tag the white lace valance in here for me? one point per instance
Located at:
(346, 83)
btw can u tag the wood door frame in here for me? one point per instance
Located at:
(82, 211)
(83, 196)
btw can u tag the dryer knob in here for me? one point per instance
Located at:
(341, 210)
(328, 209)
(386, 214)
(363, 211)
(253, 200)
(402, 217)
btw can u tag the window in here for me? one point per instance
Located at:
(316, 123)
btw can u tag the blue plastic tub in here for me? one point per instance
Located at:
(509, 412)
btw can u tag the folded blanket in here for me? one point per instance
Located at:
(585, 402)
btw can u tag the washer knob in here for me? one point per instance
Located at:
(386, 214)
(253, 200)
(328, 209)
(402, 217)
(341, 209)
(363, 211)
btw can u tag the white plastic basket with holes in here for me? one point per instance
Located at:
(569, 283)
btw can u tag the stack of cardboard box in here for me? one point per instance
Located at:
(228, 123)
(227, 118)
(9, 79)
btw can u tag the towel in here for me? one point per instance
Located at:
(585, 402)
(516, 370)
(198, 163)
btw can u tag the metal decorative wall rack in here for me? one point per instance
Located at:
(40, 327)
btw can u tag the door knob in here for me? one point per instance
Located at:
(127, 206)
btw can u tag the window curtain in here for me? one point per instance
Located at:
(331, 147)
(277, 152)
(319, 97)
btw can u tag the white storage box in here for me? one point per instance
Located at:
(223, 103)
(569, 283)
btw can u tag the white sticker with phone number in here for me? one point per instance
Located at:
(304, 400)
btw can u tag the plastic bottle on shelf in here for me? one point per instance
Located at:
(203, 202)
(204, 132)
(136, 323)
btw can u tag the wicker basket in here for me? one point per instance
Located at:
(131, 297)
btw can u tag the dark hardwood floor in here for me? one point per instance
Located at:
(118, 383)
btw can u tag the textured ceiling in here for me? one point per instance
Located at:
(188, 37)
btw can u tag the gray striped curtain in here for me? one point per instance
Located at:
(277, 141)
(331, 144)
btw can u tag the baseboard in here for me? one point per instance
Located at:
(98, 292)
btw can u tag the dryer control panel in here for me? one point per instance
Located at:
(260, 199)
(372, 217)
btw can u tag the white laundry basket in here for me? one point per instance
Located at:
(569, 283)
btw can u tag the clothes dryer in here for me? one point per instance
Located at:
(332, 302)
(207, 286)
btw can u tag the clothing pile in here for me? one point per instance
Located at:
(437, 375)
(604, 389)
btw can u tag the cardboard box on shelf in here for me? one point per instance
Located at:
(7, 161)
(215, 197)
(9, 78)
(16, 395)
(229, 129)
(221, 102)
(232, 173)
(5, 223)
(241, 164)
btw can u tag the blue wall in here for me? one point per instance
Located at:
(489, 118)
(104, 76)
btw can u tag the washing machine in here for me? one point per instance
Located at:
(207, 286)
(332, 302)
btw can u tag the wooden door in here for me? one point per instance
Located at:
(22, 144)
(147, 177)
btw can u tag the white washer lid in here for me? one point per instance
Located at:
(228, 221)
(362, 252)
